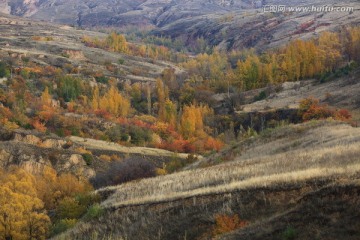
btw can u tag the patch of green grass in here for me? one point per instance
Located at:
(121, 61)
(177, 163)
(88, 158)
(62, 226)
(94, 211)
(261, 96)
(289, 233)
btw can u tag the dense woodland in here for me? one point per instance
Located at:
(173, 113)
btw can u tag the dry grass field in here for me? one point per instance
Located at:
(303, 158)
(342, 92)
(325, 151)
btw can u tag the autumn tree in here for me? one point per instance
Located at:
(353, 35)
(169, 79)
(148, 98)
(249, 72)
(95, 99)
(115, 103)
(170, 113)
(187, 94)
(19, 96)
(162, 95)
(46, 97)
(46, 111)
(142, 50)
(117, 42)
(330, 50)
(69, 88)
(65, 196)
(52, 188)
(22, 214)
(192, 120)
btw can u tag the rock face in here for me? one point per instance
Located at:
(33, 152)
(4, 7)
(74, 54)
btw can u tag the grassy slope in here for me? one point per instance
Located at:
(16, 38)
(93, 144)
(278, 169)
(341, 92)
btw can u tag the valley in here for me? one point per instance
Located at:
(178, 120)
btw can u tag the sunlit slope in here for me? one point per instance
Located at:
(301, 158)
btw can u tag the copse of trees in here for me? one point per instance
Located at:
(70, 88)
(118, 43)
(27, 199)
(22, 213)
(300, 59)
(112, 101)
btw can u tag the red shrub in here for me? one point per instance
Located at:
(310, 109)
(225, 223)
(103, 114)
(343, 114)
(213, 144)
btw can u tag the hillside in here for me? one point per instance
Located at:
(229, 24)
(34, 45)
(22, 38)
(121, 120)
(287, 177)
(342, 92)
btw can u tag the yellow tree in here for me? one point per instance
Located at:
(95, 99)
(192, 120)
(46, 97)
(354, 43)
(47, 187)
(250, 72)
(117, 43)
(162, 95)
(170, 112)
(115, 103)
(329, 46)
(148, 98)
(142, 50)
(46, 111)
(22, 214)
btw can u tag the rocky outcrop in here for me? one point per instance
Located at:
(76, 164)
(4, 7)
(33, 152)
(37, 141)
(5, 158)
(74, 54)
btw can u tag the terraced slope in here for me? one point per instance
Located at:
(18, 39)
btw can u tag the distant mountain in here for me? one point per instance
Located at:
(120, 12)
(226, 23)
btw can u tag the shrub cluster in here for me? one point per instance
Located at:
(124, 171)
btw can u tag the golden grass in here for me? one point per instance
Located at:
(323, 152)
(102, 145)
